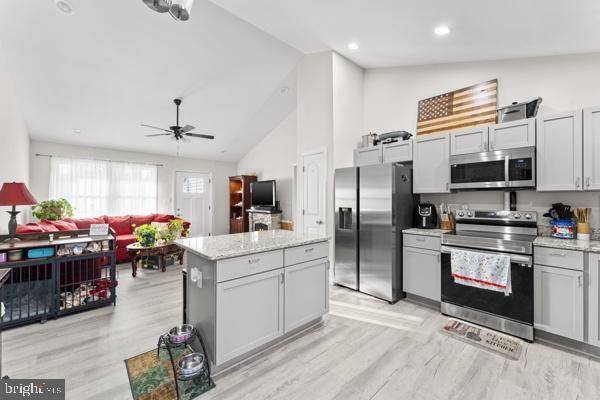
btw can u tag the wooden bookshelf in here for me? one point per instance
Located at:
(239, 202)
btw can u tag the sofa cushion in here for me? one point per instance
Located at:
(47, 226)
(84, 223)
(163, 217)
(29, 228)
(64, 225)
(139, 220)
(124, 240)
(121, 225)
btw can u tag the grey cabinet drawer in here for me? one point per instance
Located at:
(309, 252)
(570, 259)
(422, 242)
(238, 267)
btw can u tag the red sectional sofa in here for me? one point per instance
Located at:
(123, 227)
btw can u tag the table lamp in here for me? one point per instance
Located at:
(15, 194)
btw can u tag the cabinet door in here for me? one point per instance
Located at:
(594, 300)
(367, 156)
(558, 301)
(591, 148)
(559, 152)
(249, 313)
(398, 152)
(431, 164)
(469, 141)
(513, 134)
(306, 293)
(421, 272)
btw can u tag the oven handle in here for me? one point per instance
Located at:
(514, 258)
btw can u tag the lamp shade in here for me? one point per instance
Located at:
(16, 194)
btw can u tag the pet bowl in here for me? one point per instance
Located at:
(190, 365)
(181, 333)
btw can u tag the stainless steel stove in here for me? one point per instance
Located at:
(493, 232)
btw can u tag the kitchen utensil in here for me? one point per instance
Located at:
(181, 333)
(191, 365)
(369, 140)
(563, 228)
(583, 231)
(516, 111)
(15, 255)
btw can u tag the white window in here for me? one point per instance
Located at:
(97, 187)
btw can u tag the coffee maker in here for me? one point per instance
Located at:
(426, 216)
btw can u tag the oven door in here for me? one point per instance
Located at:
(517, 306)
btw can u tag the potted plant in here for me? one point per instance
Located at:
(53, 210)
(174, 230)
(146, 235)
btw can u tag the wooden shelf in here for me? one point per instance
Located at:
(239, 202)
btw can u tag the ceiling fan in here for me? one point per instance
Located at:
(177, 131)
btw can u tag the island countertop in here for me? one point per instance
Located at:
(240, 244)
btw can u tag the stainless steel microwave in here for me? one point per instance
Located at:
(514, 168)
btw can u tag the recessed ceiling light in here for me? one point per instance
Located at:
(64, 6)
(353, 46)
(441, 30)
(77, 131)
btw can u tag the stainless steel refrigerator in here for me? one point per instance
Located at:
(369, 243)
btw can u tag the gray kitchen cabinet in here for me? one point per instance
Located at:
(421, 272)
(594, 300)
(559, 152)
(513, 134)
(401, 151)
(306, 292)
(431, 163)
(473, 140)
(559, 301)
(591, 149)
(250, 313)
(367, 156)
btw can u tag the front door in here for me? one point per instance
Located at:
(193, 201)
(314, 192)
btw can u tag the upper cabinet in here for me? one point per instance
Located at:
(469, 141)
(559, 152)
(591, 149)
(431, 163)
(401, 151)
(367, 156)
(513, 134)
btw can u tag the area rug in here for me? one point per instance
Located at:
(487, 339)
(151, 377)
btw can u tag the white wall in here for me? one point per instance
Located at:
(40, 172)
(273, 158)
(14, 161)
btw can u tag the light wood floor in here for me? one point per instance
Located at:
(364, 349)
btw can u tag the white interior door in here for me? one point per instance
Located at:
(314, 192)
(193, 201)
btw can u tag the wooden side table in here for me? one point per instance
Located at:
(136, 252)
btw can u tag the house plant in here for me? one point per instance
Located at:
(146, 235)
(52, 210)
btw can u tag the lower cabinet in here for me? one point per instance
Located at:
(306, 293)
(250, 313)
(421, 269)
(559, 301)
(594, 300)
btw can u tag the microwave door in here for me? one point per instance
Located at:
(479, 174)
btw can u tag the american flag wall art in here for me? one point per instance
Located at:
(464, 108)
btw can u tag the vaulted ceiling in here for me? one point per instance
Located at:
(114, 64)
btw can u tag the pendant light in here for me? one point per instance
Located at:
(161, 6)
(180, 9)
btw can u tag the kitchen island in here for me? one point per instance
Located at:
(248, 291)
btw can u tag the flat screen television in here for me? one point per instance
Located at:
(262, 194)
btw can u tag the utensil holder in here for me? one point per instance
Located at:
(583, 230)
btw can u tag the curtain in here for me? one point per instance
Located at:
(97, 187)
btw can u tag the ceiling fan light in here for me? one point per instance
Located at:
(180, 9)
(161, 6)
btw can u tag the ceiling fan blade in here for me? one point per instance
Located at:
(156, 127)
(199, 135)
(158, 134)
(187, 128)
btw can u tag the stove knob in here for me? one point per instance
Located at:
(528, 216)
(516, 215)
(469, 214)
(461, 214)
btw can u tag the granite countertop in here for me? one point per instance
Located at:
(568, 244)
(240, 244)
(426, 232)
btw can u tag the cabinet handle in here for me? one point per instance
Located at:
(420, 239)
(309, 249)
(253, 260)
(447, 186)
(587, 181)
(282, 277)
(577, 182)
(492, 144)
(559, 254)
(579, 281)
(438, 258)
(485, 146)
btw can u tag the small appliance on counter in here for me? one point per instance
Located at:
(369, 140)
(564, 225)
(516, 111)
(426, 216)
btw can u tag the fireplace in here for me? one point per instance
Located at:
(264, 221)
(259, 226)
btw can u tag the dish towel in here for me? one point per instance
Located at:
(481, 270)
